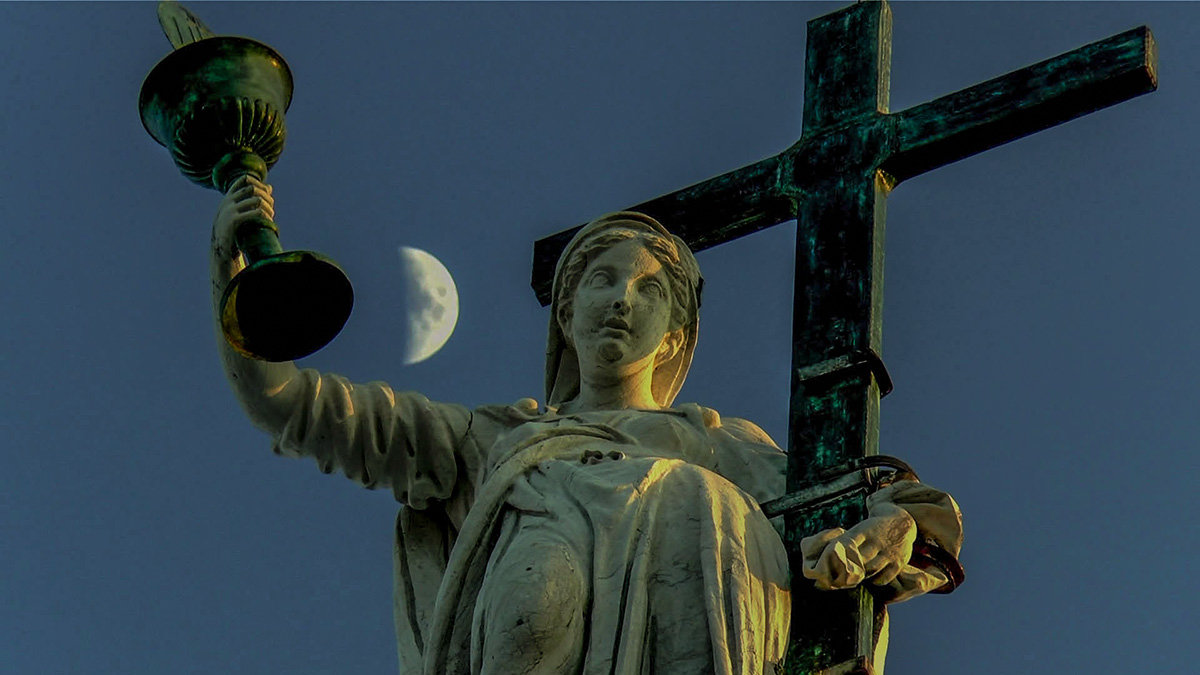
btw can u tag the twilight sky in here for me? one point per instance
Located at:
(1040, 320)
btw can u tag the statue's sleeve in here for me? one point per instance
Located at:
(378, 437)
(933, 566)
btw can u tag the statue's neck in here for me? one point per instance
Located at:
(607, 390)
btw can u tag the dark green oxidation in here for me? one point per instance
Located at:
(902, 144)
(217, 105)
(834, 182)
(216, 96)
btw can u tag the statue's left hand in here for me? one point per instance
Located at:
(877, 549)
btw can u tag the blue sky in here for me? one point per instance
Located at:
(1040, 315)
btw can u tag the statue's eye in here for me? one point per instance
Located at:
(652, 287)
(599, 278)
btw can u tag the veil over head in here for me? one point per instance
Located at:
(562, 364)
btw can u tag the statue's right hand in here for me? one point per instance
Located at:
(248, 198)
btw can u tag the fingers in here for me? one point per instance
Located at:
(817, 551)
(811, 547)
(887, 545)
(840, 566)
(255, 205)
(832, 560)
(245, 180)
(251, 193)
(248, 198)
(877, 549)
(888, 573)
(248, 195)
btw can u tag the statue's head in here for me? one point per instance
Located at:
(661, 304)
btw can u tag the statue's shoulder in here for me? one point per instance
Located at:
(739, 429)
(511, 414)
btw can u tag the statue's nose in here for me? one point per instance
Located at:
(621, 305)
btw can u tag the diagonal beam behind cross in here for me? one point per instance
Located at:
(834, 182)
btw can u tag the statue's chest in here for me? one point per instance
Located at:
(665, 434)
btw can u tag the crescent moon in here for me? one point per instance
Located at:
(432, 301)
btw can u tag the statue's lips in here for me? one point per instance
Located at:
(616, 325)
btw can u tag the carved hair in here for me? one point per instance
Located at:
(661, 248)
(683, 277)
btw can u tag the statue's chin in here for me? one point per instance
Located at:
(611, 352)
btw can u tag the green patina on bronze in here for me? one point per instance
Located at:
(902, 144)
(217, 104)
(834, 182)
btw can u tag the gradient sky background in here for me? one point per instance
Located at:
(1041, 322)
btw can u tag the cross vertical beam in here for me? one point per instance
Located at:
(831, 423)
(838, 309)
(847, 65)
(835, 181)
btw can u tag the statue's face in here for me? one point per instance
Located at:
(621, 309)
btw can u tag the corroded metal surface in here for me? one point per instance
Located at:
(210, 97)
(902, 144)
(1006, 108)
(834, 181)
(217, 103)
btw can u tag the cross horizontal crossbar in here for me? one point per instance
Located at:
(1023, 102)
(912, 142)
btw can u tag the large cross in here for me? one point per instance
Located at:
(834, 182)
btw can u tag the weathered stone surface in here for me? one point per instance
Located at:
(610, 530)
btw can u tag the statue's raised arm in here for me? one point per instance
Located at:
(376, 436)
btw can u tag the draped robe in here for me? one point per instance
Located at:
(620, 542)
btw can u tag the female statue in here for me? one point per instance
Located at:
(609, 530)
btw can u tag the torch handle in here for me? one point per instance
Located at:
(257, 238)
(236, 164)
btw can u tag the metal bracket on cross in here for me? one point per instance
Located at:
(847, 364)
(860, 474)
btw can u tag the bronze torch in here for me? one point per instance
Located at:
(217, 104)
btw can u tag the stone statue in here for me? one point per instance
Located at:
(608, 530)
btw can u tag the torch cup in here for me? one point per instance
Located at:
(217, 105)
